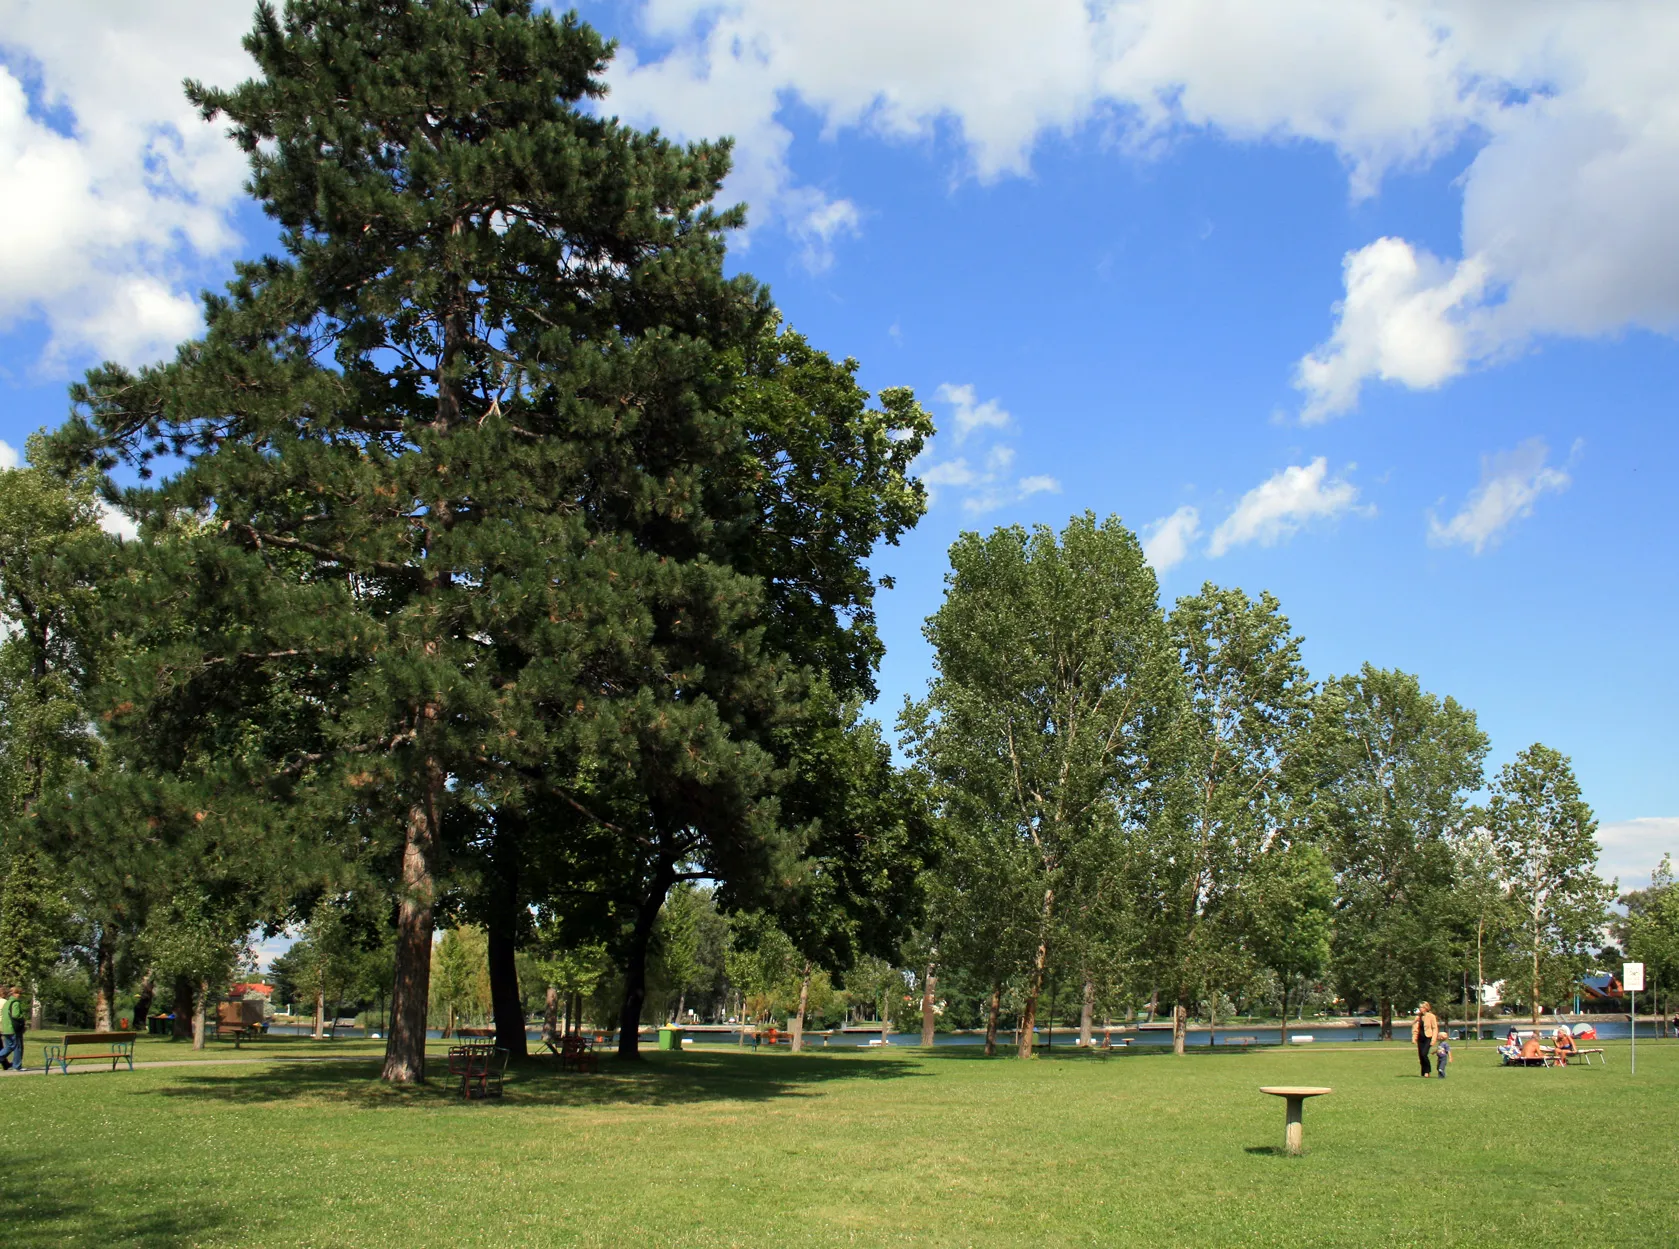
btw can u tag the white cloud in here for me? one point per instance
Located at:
(1166, 542)
(1282, 505)
(8, 455)
(116, 524)
(970, 414)
(1511, 483)
(1574, 119)
(986, 488)
(105, 215)
(1400, 321)
(1631, 849)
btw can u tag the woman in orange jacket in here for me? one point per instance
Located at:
(1424, 1029)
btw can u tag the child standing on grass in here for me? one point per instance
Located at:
(1443, 1053)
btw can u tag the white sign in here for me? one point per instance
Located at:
(1632, 977)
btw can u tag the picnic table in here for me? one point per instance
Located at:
(116, 1046)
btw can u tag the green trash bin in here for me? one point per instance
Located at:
(670, 1038)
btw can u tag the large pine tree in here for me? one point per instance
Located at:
(497, 463)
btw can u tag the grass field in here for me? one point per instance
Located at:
(724, 1148)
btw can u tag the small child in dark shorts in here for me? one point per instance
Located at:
(1443, 1053)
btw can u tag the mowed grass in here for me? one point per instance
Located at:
(717, 1147)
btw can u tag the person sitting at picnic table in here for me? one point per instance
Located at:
(1564, 1044)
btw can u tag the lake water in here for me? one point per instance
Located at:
(1146, 1035)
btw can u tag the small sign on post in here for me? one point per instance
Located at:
(1632, 980)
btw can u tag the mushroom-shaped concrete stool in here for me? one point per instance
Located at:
(1296, 1099)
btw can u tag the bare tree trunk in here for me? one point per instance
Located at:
(143, 1002)
(105, 980)
(1035, 979)
(1283, 1039)
(1480, 974)
(405, 1047)
(991, 1018)
(36, 1007)
(635, 963)
(198, 1015)
(799, 1019)
(1153, 1004)
(1087, 1013)
(181, 1027)
(505, 1000)
(928, 983)
(1180, 1019)
(681, 1004)
(1534, 1003)
(550, 1013)
(886, 1015)
(320, 1011)
(1387, 1019)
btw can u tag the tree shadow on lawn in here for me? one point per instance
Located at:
(1071, 1053)
(53, 1200)
(654, 1081)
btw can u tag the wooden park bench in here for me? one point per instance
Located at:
(116, 1046)
(1243, 1041)
(480, 1069)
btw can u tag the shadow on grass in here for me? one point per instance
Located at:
(1073, 1053)
(50, 1200)
(655, 1081)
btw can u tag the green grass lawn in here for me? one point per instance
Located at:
(717, 1147)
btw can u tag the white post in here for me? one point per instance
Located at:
(1632, 980)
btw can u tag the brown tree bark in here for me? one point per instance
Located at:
(1180, 1021)
(505, 1001)
(320, 1012)
(198, 1015)
(1035, 980)
(991, 1018)
(799, 1019)
(181, 1027)
(1386, 1019)
(635, 961)
(929, 983)
(405, 1047)
(143, 1000)
(1283, 1039)
(1087, 1014)
(105, 980)
(550, 1013)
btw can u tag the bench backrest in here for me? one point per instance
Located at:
(100, 1038)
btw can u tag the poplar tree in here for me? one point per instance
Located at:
(1544, 837)
(1237, 746)
(484, 470)
(1054, 677)
(1393, 770)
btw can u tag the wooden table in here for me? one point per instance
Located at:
(1296, 1096)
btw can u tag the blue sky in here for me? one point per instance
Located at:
(1369, 305)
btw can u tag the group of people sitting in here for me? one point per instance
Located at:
(1531, 1053)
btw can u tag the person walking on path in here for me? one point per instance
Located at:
(1425, 1029)
(11, 1028)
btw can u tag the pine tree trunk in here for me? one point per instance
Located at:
(1180, 1020)
(992, 1010)
(143, 1002)
(928, 984)
(1035, 979)
(405, 1047)
(198, 1015)
(105, 980)
(1087, 1014)
(180, 1028)
(799, 1019)
(550, 1013)
(505, 1001)
(635, 962)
